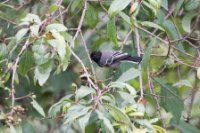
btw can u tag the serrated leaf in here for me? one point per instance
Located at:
(183, 83)
(152, 25)
(129, 75)
(117, 114)
(83, 121)
(112, 31)
(56, 27)
(186, 21)
(106, 122)
(21, 33)
(91, 16)
(83, 91)
(172, 103)
(26, 62)
(117, 6)
(37, 106)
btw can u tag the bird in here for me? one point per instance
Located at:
(113, 59)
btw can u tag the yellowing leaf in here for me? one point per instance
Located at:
(198, 73)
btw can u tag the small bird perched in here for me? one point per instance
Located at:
(113, 58)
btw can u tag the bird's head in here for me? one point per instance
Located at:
(95, 56)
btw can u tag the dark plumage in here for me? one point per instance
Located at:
(112, 58)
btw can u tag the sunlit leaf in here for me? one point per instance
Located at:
(35, 29)
(37, 106)
(129, 75)
(83, 121)
(198, 72)
(117, 6)
(53, 8)
(159, 129)
(122, 85)
(21, 33)
(84, 91)
(31, 18)
(56, 27)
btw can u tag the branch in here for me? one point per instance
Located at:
(14, 69)
(81, 21)
(139, 66)
(151, 87)
(125, 39)
(87, 52)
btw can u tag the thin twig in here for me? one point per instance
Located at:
(151, 87)
(81, 20)
(125, 39)
(87, 52)
(14, 69)
(139, 66)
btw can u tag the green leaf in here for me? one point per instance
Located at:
(42, 72)
(106, 122)
(12, 129)
(56, 27)
(183, 83)
(53, 8)
(112, 31)
(159, 129)
(21, 33)
(83, 91)
(62, 48)
(57, 107)
(186, 21)
(172, 103)
(76, 4)
(178, 6)
(35, 29)
(83, 121)
(122, 85)
(125, 17)
(3, 51)
(26, 62)
(91, 16)
(165, 4)
(37, 106)
(117, 6)
(147, 54)
(129, 75)
(75, 112)
(186, 127)
(146, 124)
(152, 25)
(191, 5)
(32, 18)
(118, 115)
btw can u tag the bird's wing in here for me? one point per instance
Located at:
(114, 57)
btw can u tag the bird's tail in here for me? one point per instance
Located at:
(134, 59)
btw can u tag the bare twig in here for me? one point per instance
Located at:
(81, 20)
(151, 87)
(14, 69)
(87, 52)
(125, 39)
(139, 66)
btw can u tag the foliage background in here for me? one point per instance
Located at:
(45, 88)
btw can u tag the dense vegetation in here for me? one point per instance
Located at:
(48, 82)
